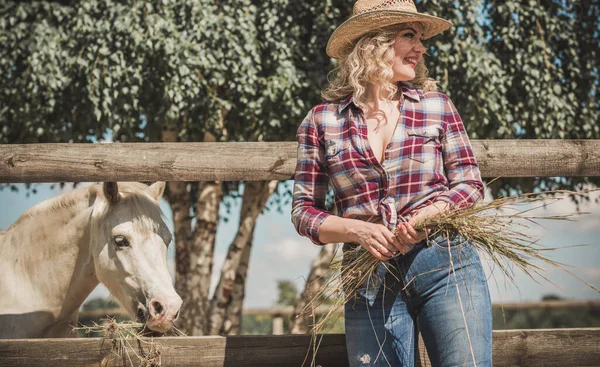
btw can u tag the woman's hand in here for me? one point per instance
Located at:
(406, 232)
(373, 237)
(378, 240)
(408, 235)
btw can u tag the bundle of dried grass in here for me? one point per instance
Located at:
(495, 228)
(131, 344)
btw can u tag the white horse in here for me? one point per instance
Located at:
(59, 250)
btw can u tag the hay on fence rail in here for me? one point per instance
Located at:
(131, 344)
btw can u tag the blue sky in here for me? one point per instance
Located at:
(280, 253)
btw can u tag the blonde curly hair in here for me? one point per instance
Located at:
(370, 62)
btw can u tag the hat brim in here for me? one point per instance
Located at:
(359, 25)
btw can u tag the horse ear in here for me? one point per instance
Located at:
(156, 190)
(111, 191)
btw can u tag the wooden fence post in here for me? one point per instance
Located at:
(278, 324)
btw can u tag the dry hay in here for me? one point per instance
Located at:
(131, 344)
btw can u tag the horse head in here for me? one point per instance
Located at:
(129, 243)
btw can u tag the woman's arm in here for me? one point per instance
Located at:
(430, 211)
(461, 169)
(310, 182)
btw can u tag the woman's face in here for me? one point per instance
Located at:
(408, 51)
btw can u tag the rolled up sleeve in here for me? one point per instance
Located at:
(460, 166)
(310, 182)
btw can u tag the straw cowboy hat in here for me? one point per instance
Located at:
(369, 15)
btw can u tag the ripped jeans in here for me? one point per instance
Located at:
(419, 293)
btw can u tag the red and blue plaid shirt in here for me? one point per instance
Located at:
(428, 159)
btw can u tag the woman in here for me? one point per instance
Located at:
(395, 151)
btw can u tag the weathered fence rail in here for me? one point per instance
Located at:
(550, 347)
(259, 161)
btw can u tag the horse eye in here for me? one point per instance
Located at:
(121, 241)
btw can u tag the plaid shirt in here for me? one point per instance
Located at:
(428, 159)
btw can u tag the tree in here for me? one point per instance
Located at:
(225, 309)
(314, 283)
(287, 293)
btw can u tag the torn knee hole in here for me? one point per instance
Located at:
(364, 359)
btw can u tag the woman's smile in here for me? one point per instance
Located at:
(412, 61)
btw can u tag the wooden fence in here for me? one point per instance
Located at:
(259, 161)
(24, 163)
(553, 347)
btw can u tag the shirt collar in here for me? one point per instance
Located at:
(410, 92)
(345, 102)
(406, 89)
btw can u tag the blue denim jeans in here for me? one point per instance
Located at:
(419, 292)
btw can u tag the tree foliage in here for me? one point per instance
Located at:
(242, 69)
(546, 317)
(521, 70)
(287, 293)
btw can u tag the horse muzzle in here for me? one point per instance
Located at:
(162, 313)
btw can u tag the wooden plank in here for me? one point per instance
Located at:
(544, 347)
(234, 351)
(538, 158)
(146, 162)
(547, 347)
(259, 161)
(591, 303)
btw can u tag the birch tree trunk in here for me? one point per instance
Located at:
(232, 321)
(194, 247)
(179, 200)
(314, 283)
(254, 199)
(200, 251)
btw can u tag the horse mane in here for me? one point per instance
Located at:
(131, 191)
(57, 203)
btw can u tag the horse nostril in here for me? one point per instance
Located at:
(176, 316)
(158, 308)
